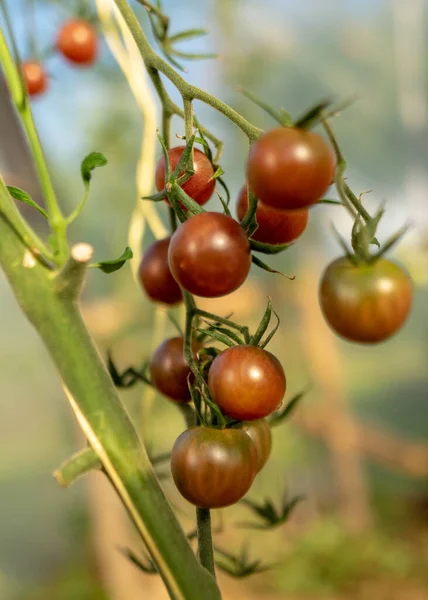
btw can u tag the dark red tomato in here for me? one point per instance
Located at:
(200, 186)
(77, 40)
(260, 432)
(155, 276)
(246, 382)
(368, 303)
(290, 168)
(275, 226)
(213, 468)
(35, 78)
(209, 255)
(169, 370)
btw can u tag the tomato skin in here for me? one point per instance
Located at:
(290, 168)
(213, 468)
(274, 226)
(200, 186)
(261, 434)
(368, 303)
(246, 382)
(209, 255)
(169, 369)
(35, 78)
(155, 275)
(77, 40)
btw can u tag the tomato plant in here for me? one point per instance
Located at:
(290, 168)
(209, 255)
(199, 186)
(155, 275)
(77, 40)
(169, 370)
(213, 468)
(260, 432)
(35, 78)
(365, 303)
(246, 382)
(274, 226)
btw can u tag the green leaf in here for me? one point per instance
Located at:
(312, 117)
(268, 248)
(22, 196)
(188, 35)
(281, 415)
(263, 325)
(226, 189)
(219, 172)
(282, 117)
(328, 201)
(94, 160)
(265, 267)
(110, 266)
(147, 567)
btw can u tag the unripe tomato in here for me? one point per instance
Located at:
(290, 168)
(155, 275)
(35, 78)
(274, 226)
(246, 382)
(200, 186)
(77, 40)
(213, 468)
(169, 370)
(260, 432)
(209, 255)
(366, 303)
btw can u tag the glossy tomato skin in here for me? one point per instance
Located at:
(200, 186)
(169, 370)
(274, 226)
(35, 78)
(213, 468)
(77, 40)
(209, 255)
(246, 382)
(368, 303)
(290, 168)
(261, 434)
(155, 275)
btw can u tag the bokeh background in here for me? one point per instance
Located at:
(357, 447)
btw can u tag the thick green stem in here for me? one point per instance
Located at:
(205, 540)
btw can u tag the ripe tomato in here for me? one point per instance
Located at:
(35, 78)
(169, 370)
(367, 303)
(290, 168)
(155, 276)
(77, 40)
(200, 186)
(209, 255)
(275, 226)
(260, 432)
(213, 468)
(246, 382)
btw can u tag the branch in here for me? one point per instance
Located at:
(76, 466)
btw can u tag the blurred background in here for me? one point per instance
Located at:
(357, 447)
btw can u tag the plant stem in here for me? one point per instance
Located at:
(76, 466)
(205, 541)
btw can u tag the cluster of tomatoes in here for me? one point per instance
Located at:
(77, 41)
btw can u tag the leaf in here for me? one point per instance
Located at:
(110, 266)
(265, 267)
(225, 206)
(226, 189)
(328, 201)
(218, 173)
(268, 248)
(263, 325)
(267, 512)
(94, 160)
(216, 336)
(22, 196)
(188, 35)
(147, 567)
(282, 117)
(310, 118)
(283, 414)
(274, 330)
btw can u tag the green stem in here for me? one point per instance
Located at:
(205, 540)
(76, 466)
(241, 328)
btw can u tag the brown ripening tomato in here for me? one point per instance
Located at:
(201, 185)
(169, 370)
(290, 168)
(209, 255)
(366, 303)
(213, 468)
(246, 382)
(274, 226)
(155, 275)
(77, 40)
(35, 78)
(260, 432)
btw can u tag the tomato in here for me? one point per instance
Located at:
(77, 40)
(155, 276)
(260, 432)
(274, 226)
(365, 303)
(246, 382)
(209, 255)
(213, 468)
(35, 78)
(290, 168)
(200, 186)
(169, 370)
